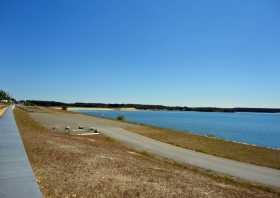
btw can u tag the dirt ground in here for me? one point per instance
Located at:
(96, 166)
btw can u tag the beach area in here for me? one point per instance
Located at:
(97, 109)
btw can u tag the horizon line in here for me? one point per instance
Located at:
(165, 105)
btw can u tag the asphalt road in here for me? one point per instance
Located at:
(262, 175)
(16, 176)
(249, 172)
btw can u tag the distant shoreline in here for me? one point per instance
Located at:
(149, 107)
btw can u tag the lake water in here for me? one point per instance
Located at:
(262, 129)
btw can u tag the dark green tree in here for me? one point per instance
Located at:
(4, 95)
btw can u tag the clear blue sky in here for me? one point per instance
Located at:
(194, 53)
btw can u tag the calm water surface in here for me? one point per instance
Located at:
(262, 129)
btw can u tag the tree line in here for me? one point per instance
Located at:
(150, 107)
(5, 95)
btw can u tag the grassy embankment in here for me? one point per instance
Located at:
(212, 145)
(2, 109)
(95, 166)
(2, 106)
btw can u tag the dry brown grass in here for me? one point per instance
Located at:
(241, 152)
(71, 166)
(2, 109)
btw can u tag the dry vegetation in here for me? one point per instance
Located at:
(211, 145)
(2, 109)
(72, 166)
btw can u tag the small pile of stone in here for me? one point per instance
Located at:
(68, 129)
(81, 130)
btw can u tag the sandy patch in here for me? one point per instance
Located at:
(99, 109)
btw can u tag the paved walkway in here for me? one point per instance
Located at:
(16, 177)
(249, 172)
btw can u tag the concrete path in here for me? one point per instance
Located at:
(253, 173)
(16, 177)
